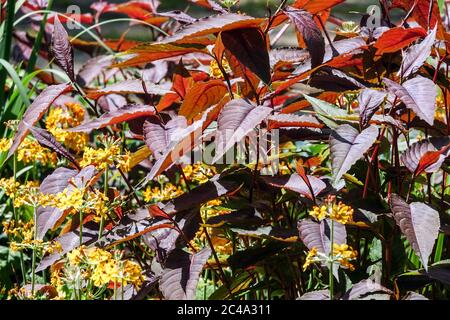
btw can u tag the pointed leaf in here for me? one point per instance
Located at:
(398, 38)
(419, 223)
(347, 146)
(92, 69)
(128, 87)
(236, 120)
(201, 97)
(295, 183)
(181, 274)
(415, 56)
(114, 117)
(35, 112)
(414, 156)
(369, 100)
(418, 94)
(310, 32)
(159, 136)
(250, 48)
(62, 49)
(317, 234)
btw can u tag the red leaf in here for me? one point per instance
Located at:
(116, 116)
(398, 38)
(202, 96)
(36, 110)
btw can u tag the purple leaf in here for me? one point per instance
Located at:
(92, 69)
(316, 295)
(249, 47)
(159, 136)
(418, 94)
(295, 183)
(317, 234)
(181, 274)
(129, 87)
(347, 146)
(419, 223)
(62, 49)
(369, 101)
(35, 112)
(311, 33)
(416, 151)
(237, 119)
(368, 290)
(415, 56)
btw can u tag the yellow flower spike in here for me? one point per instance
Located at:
(5, 144)
(344, 254)
(215, 71)
(311, 257)
(31, 151)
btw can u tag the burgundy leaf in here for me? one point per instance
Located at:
(35, 112)
(368, 290)
(159, 136)
(317, 234)
(127, 113)
(292, 121)
(62, 49)
(213, 24)
(311, 33)
(418, 94)
(419, 223)
(237, 118)
(415, 56)
(411, 158)
(92, 69)
(181, 274)
(411, 295)
(369, 100)
(347, 146)
(316, 295)
(250, 48)
(295, 183)
(128, 87)
(47, 140)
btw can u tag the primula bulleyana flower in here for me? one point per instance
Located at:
(31, 151)
(5, 144)
(60, 119)
(311, 257)
(156, 194)
(104, 157)
(339, 212)
(21, 194)
(215, 71)
(199, 172)
(344, 254)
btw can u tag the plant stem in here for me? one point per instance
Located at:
(331, 276)
(33, 259)
(105, 191)
(81, 227)
(6, 44)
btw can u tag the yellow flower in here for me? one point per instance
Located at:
(199, 172)
(344, 254)
(5, 144)
(67, 199)
(339, 212)
(97, 203)
(311, 257)
(60, 119)
(215, 71)
(31, 151)
(77, 255)
(319, 213)
(156, 194)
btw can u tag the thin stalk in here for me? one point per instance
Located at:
(330, 275)
(16, 218)
(81, 227)
(33, 258)
(6, 44)
(439, 247)
(105, 191)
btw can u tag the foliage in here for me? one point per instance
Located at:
(211, 163)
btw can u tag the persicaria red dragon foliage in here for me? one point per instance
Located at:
(210, 161)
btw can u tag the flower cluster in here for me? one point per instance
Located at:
(342, 254)
(166, 192)
(59, 119)
(97, 266)
(31, 151)
(339, 212)
(215, 71)
(104, 157)
(21, 194)
(5, 144)
(199, 172)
